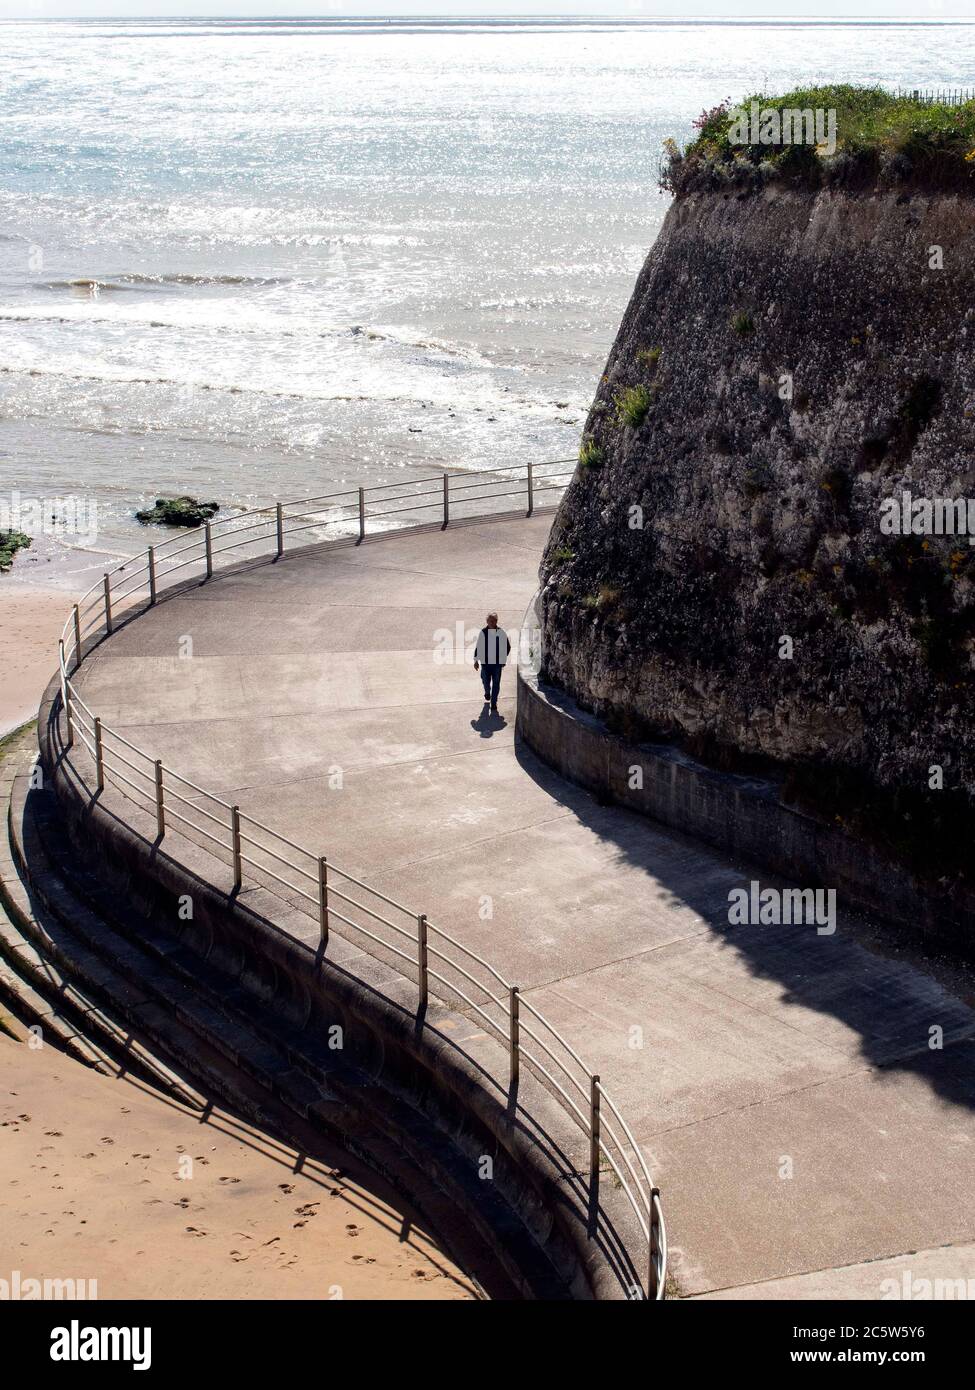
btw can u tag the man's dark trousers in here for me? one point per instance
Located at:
(491, 680)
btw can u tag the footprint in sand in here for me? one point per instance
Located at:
(351, 1229)
(286, 1187)
(230, 1179)
(195, 1231)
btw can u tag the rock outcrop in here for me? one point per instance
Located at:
(178, 511)
(722, 572)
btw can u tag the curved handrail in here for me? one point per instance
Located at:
(502, 1016)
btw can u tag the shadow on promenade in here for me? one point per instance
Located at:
(888, 989)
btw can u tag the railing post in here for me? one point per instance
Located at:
(235, 832)
(362, 513)
(421, 957)
(77, 636)
(514, 1038)
(99, 755)
(323, 899)
(108, 605)
(279, 519)
(531, 490)
(208, 541)
(160, 808)
(152, 574)
(593, 1138)
(446, 499)
(652, 1289)
(65, 694)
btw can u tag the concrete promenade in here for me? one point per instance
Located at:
(781, 1082)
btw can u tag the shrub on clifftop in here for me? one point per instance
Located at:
(876, 133)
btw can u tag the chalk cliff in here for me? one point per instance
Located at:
(717, 575)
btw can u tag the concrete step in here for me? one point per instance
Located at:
(199, 993)
(49, 974)
(35, 1021)
(155, 984)
(121, 995)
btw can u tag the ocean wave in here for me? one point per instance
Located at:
(230, 389)
(200, 225)
(402, 339)
(91, 287)
(97, 286)
(185, 278)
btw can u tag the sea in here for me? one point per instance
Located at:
(252, 259)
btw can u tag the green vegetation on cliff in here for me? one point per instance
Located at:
(873, 134)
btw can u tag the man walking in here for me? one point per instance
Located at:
(490, 655)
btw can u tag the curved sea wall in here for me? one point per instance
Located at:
(432, 1087)
(747, 564)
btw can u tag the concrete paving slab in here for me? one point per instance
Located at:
(879, 1162)
(942, 1274)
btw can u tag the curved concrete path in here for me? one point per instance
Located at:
(781, 1083)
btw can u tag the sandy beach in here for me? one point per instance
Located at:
(91, 1188)
(31, 620)
(36, 595)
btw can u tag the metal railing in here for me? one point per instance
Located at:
(938, 96)
(313, 882)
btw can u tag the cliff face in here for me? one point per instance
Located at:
(789, 359)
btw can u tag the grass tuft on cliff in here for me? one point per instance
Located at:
(879, 136)
(590, 455)
(633, 405)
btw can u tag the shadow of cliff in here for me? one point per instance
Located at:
(880, 983)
